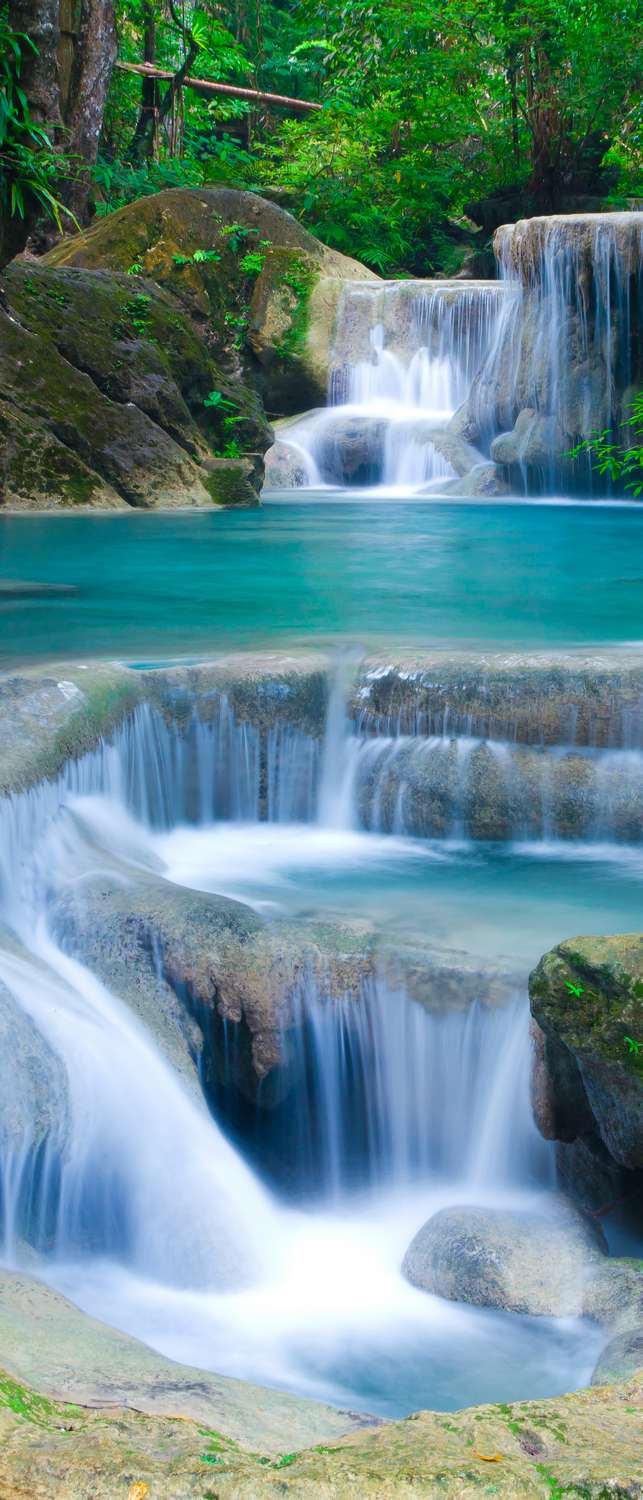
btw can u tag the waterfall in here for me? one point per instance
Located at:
(389, 1092)
(181, 1205)
(483, 388)
(167, 1216)
(565, 359)
(404, 359)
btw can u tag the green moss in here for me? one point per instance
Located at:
(27, 1404)
(298, 282)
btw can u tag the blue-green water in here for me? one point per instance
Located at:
(514, 575)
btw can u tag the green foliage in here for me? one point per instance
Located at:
(216, 399)
(616, 460)
(252, 262)
(29, 166)
(198, 258)
(117, 183)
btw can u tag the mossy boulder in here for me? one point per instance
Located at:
(103, 390)
(585, 1445)
(587, 999)
(261, 288)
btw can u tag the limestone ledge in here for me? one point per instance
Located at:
(54, 713)
(144, 1428)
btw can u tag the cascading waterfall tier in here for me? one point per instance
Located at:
(404, 358)
(566, 358)
(483, 388)
(138, 1202)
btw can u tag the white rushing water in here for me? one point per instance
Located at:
(432, 379)
(404, 360)
(144, 1211)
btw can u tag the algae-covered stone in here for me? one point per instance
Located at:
(38, 471)
(111, 396)
(118, 442)
(261, 286)
(586, 1444)
(50, 1343)
(525, 1262)
(587, 997)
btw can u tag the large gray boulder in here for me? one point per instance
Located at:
(533, 1262)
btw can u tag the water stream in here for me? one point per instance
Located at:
(256, 1226)
(193, 1240)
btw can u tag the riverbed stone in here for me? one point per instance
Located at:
(532, 1262)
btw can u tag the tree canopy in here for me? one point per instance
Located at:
(437, 117)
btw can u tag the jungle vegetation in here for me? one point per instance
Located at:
(436, 119)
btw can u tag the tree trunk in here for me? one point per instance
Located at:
(39, 74)
(95, 57)
(144, 137)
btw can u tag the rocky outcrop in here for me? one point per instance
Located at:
(566, 361)
(49, 1343)
(197, 966)
(587, 999)
(587, 1444)
(103, 385)
(135, 358)
(530, 1262)
(261, 286)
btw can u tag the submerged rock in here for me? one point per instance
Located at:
(622, 1357)
(531, 1262)
(587, 998)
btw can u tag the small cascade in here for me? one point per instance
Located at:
(566, 357)
(82, 1187)
(390, 1093)
(404, 359)
(483, 388)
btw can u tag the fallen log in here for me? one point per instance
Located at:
(206, 87)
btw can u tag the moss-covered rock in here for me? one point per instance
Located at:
(587, 1000)
(261, 287)
(583, 1446)
(138, 355)
(103, 391)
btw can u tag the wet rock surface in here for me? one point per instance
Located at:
(49, 1343)
(587, 998)
(531, 1263)
(587, 1442)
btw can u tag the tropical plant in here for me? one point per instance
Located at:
(29, 165)
(620, 462)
